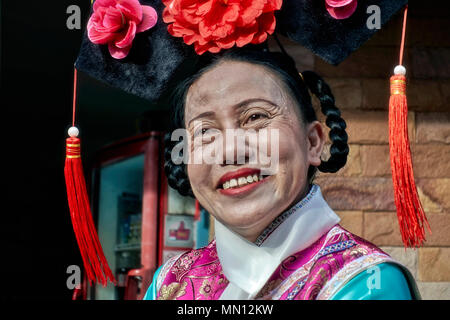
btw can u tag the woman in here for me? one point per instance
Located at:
(275, 236)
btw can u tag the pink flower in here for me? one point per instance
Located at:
(341, 9)
(116, 22)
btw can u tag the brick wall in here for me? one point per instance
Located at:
(361, 193)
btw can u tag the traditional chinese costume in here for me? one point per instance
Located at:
(144, 47)
(304, 254)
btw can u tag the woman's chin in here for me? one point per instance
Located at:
(243, 215)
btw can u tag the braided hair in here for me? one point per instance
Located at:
(300, 85)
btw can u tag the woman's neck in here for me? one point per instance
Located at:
(252, 234)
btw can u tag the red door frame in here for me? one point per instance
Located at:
(149, 144)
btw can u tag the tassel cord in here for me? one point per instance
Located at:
(94, 260)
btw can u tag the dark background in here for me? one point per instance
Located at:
(37, 56)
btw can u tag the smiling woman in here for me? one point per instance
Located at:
(274, 233)
(251, 142)
(260, 99)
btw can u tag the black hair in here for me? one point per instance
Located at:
(284, 66)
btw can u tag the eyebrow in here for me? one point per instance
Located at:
(236, 107)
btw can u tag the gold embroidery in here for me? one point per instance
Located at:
(205, 289)
(356, 252)
(268, 288)
(172, 291)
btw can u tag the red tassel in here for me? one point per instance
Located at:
(411, 216)
(94, 260)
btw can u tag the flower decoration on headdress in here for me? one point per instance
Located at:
(341, 9)
(213, 25)
(116, 22)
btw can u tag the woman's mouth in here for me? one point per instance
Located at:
(240, 181)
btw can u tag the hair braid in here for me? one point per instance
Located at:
(339, 147)
(176, 175)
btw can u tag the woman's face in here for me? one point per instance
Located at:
(241, 95)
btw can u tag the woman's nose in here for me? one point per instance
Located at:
(236, 147)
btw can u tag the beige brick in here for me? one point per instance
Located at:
(435, 193)
(433, 127)
(424, 95)
(428, 204)
(407, 257)
(347, 92)
(431, 160)
(439, 225)
(352, 167)
(434, 264)
(375, 161)
(434, 290)
(381, 228)
(372, 127)
(375, 94)
(342, 193)
(352, 221)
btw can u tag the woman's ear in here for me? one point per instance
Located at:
(315, 136)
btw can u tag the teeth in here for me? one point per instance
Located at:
(242, 181)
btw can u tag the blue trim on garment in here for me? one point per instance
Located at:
(202, 230)
(151, 291)
(390, 284)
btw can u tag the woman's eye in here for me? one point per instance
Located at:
(201, 132)
(255, 117)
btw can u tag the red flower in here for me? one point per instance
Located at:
(341, 9)
(212, 25)
(116, 22)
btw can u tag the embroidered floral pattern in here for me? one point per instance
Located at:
(184, 263)
(172, 291)
(314, 273)
(351, 269)
(205, 289)
(201, 271)
(165, 269)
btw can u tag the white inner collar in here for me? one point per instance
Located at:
(248, 266)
